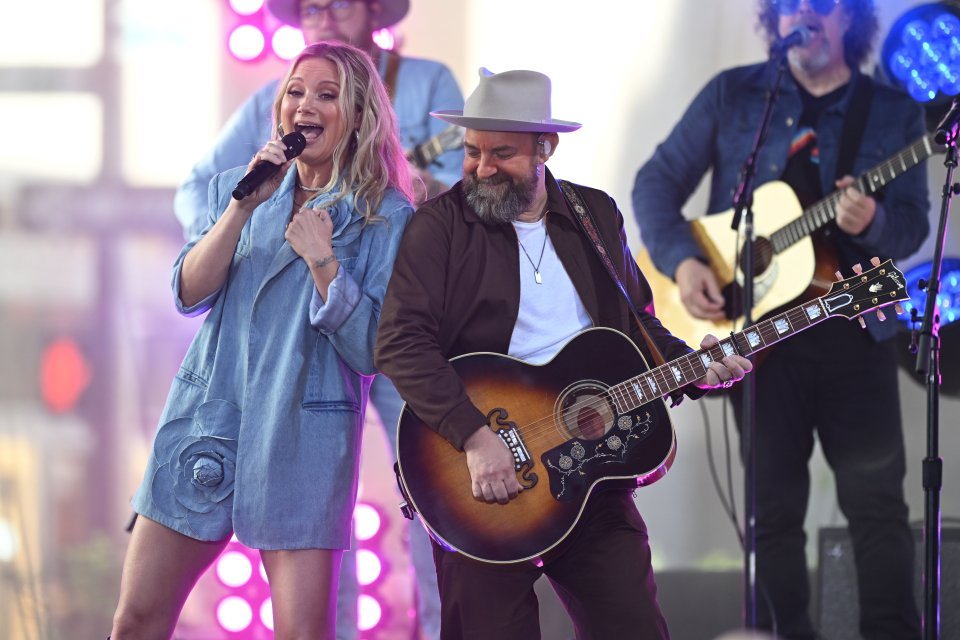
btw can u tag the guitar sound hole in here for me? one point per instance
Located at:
(762, 256)
(585, 411)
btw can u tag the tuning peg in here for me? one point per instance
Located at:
(838, 274)
(875, 261)
(898, 308)
(880, 315)
(857, 269)
(863, 325)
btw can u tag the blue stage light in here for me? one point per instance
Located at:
(922, 53)
(948, 300)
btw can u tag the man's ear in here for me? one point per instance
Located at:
(548, 145)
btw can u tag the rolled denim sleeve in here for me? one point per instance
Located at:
(665, 182)
(343, 296)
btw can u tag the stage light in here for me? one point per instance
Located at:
(64, 375)
(921, 53)
(266, 613)
(369, 612)
(234, 569)
(385, 39)
(9, 546)
(369, 567)
(234, 614)
(287, 42)
(948, 299)
(366, 521)
(246, 7)
(246, 42)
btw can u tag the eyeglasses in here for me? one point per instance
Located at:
(790, 7)
(338, 9)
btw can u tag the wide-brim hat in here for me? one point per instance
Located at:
(391, 12)
(516, 101)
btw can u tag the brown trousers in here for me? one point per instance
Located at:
(601, 572)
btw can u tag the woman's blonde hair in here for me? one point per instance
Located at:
(371, 160)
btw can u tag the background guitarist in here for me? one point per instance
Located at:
(416, 87)
(834, 380)
(499, 264)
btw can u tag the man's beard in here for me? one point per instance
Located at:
(500, 199)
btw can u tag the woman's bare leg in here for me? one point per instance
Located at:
(303, 585)
(159, 571)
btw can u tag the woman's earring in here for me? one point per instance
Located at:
(356, 135)
(279, 130)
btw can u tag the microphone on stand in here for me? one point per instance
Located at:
(294, 143)
(947, 129)
(799, 37)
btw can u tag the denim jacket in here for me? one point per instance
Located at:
(717, 132)
(261, 430)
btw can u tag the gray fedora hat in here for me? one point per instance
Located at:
(391, 12)
(509, 101)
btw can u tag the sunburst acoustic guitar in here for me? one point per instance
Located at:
(593, 413)
(791, 262)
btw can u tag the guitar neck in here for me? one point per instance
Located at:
(687, 369)
(824, 211)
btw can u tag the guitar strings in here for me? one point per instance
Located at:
(541, 427)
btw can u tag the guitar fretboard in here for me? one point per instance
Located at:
(824, 211)
(666, 378)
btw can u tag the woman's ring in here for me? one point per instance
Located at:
(727, 384)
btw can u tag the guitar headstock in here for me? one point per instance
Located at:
(451, 137)
(865, 291)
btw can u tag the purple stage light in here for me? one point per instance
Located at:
(369, 612)
(234, 569)
(234, 614)
(366, 521)
(246, 7)
(246, 42)
(287, 42)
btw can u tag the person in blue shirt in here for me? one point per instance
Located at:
(260, 435)
(417, 87)
(833, 382)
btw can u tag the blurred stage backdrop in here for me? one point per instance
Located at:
(105, 105)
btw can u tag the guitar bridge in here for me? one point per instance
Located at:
(507, 432)
(512, 439)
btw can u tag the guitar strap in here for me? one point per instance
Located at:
(854, 125)
(585, 218)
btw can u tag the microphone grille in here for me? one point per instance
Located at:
(294, 143)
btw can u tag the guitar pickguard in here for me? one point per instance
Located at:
(601, 438)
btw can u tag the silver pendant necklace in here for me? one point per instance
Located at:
(536, 267)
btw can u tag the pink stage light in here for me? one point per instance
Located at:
(385, 39)
(287, 42)
(369, 612)
(234, 614)
(246, 7)
(246, 42)
(234, 569)
(266, 613)
(366, 521)
(369, 567)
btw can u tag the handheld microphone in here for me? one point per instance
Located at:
(799, 37)
(294, 143)
(947, 129)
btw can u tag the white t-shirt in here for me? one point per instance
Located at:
(550, 312)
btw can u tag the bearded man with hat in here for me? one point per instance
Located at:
(416, 87)
(502, 263)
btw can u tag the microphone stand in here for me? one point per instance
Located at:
(743, 209)
(928, 365)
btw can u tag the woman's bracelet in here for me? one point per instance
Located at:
(322, 262)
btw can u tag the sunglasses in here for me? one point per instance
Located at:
(790, 7)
